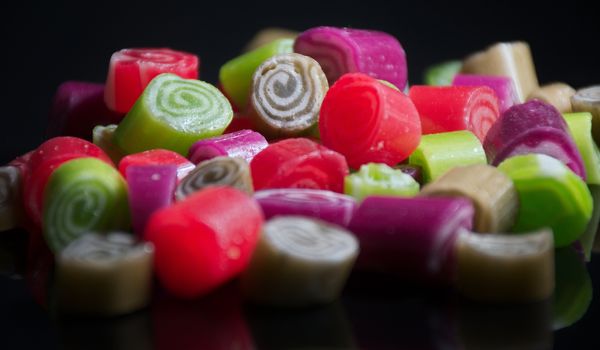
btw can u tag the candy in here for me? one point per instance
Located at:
(410, 237)
(242, 144)
(588, 100)
(287, 91)
(344, 50)
(77, 107)
(268, 35)
(533, 127)
(473, 108)
(503, 87)
(580, 127)
(442, 74)
(157, 157)
(11, 207)
(236, 75)
(324, 205)
(413, 170)
(83, 195)
(102, 137)
(219, 171)
(131, 70)
(298, 163)
(586, 240)
(299, 262)
(104, 274)
(151, 188)
(492, 193)
(379, 179)
(511, 60)
(438, 153)
(368, 122)
(204, 241)
(557, 94)
(573, 292)
(550, 195)
(505, 268)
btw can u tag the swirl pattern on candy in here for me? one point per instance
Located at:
(344, 50)
(502, 86)
(11, 210)
(243, 144)
(173, 113)
(287, 91)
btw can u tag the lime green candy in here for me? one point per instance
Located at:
(83, 195)
(236, 75)
(438, 153)
(442, 74)
(580, 126)
(379, 179)
(589, 236)
(172, 113)
(550, 195)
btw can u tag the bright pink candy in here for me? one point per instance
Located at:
(502, 86)
(157, 157)
(243, 144)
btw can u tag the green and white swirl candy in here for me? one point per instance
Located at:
(10, 198)
(83, 195)
(172, 113)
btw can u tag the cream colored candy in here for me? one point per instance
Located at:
(588, 100)
(268, 35)
(557, 94)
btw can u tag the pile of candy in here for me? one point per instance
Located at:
(312, 158)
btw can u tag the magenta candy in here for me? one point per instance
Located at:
(345, 50)
(410, 237)
(243, 144)
(502, 86)
(533, 127)
(320, 204)
(151, 187)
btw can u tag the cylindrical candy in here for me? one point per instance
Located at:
(130, 71)
(287, 92)
(588, 100)
(327, 206)
(299, 262)
(157, 157)
(379, 179)
(242, 144)
(344, 50)
(173, 113)
(102, 137)
(368, 122)
(205, 240)
(557, 94)
(442, 74)
(503, 87)
(11, 205)
(453, 108)
(83, 195)
(580, 126)
(268, 35)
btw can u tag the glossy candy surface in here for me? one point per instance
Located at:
(379, 179)
(157, 157)
(503, 87)
(243, 144)
(580, 127)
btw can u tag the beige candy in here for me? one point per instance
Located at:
(102, 137)
(557, 94)
(268, 35)
(588, 100)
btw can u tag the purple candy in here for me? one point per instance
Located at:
(151, 188)
(343, 50)
(414, 171)
(533, 127)
(410, 237)
(502, 86)
(320, 204)
(243, 144)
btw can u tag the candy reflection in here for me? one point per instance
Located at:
(573, 293)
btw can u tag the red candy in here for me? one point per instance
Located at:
(131, 70)
(367, 121)
(157, 157)
(298, 163)
(205, 240)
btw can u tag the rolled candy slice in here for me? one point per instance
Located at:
(442, 74)
(104, 274)
(205, 240)
(557, 94)
(379, 179)
(157, 157)
(438, 153)
(588, 100)
(344, 50)
(414, 171)
(236, 75)
(533, 127)
(473, 108)
(492, 193)
(102, 136)
(504, 267)
(151, 187)
(503, 87)
(173, 113)
(218, 171)
(298, 163)
(410, 237)
(573, 293)
(242, 144)
(11, 205)
(83, 195)
(294, 257)
(550, 195)
(368, 122)
(511, 60)
(580, 126)
(287, 91)
(131, 70)
(324, 205)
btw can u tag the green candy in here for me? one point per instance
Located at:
(236, 75)
(580, 126)
(379, 179)
(442, 74)
(83, 195)
(550, 195)
(573, 291)
(589, 236)
(438, 153)
(172, 113)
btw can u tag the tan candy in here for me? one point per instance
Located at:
(557, 94)
(268, 35)
(588, 100)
